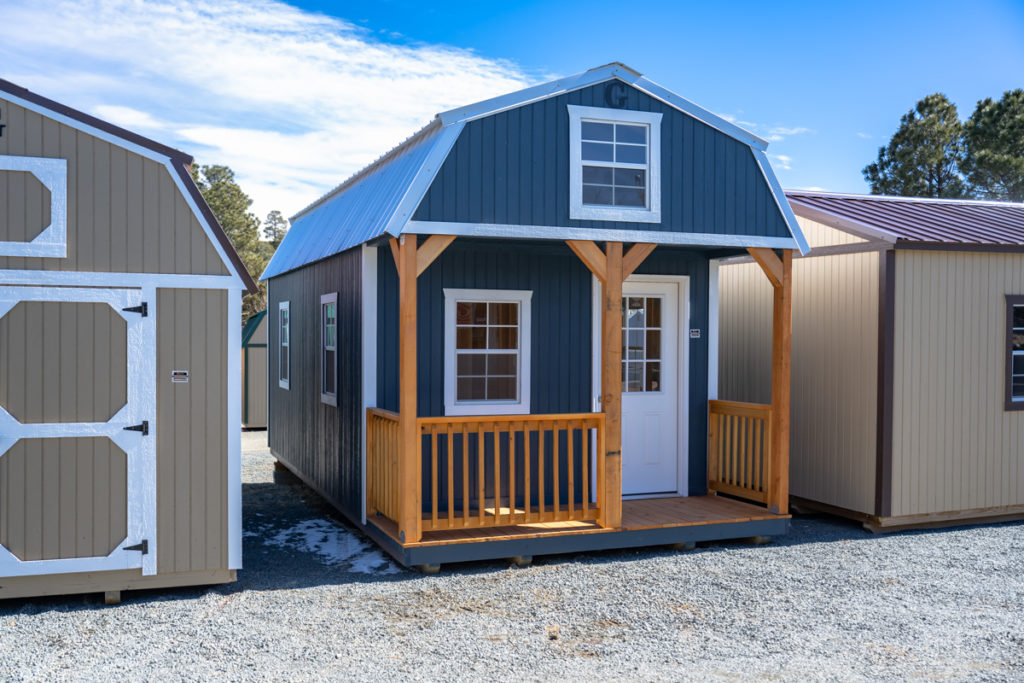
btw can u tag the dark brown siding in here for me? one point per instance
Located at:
(320, 441)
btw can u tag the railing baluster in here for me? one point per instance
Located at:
(541, 470)
(556, 466)
(481, 473)
(433, 476)
(450, 464)
(527, 487)
(511, 472)
(585, 464)
(570, 457)
(465, 476)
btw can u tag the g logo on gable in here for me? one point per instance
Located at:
(615, 94)
(51, 242)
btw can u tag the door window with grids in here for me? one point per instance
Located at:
(487, 334)
(614, 164)
(641, 343)
(1015, 353)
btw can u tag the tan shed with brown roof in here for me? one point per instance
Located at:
(908, 358)
(119, 444)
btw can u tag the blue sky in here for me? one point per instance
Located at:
(297, 97)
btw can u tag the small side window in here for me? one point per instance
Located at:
(1015, 353)
(284, 345)
(329, 348)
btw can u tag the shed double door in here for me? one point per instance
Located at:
(77, 430)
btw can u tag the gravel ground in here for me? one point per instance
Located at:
(318, 601)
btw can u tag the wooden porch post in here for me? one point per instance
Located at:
(411, 261)
(782, 337)
(611, 384)
(780, 273)
(409, 465)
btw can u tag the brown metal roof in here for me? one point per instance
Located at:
(180, 161)
(916, 219)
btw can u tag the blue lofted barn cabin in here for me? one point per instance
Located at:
(500, 338)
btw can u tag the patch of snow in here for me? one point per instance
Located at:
(334, 545)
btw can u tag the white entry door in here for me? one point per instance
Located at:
(651, 379)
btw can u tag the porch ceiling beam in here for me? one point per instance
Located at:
(430, 250)
(592, 257)
(634, 257)
(770, 263)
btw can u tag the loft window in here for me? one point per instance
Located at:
(284, 345)
(487, 352)
(614, 164)
(329, 348)
(1015, 353)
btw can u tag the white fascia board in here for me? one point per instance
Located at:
(121, 142)
(703, 115)
(849, 225)
(781, 201)
(369, 340)
(551, 232)
(67, 278)
(537, 92)
(421, 181)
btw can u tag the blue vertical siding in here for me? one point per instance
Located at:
(513, 168)
(562, 328)
(323, 443)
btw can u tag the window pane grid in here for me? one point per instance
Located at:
(615, 162)
(641, 344)
(487, 351)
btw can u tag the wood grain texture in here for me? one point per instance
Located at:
(409, 464)
(611, 389)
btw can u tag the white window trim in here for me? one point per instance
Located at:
(284, 306)
(520, 407)
(52, 241)
(577, 210)
(325, 397)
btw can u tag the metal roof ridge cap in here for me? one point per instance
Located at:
(366, 170)
(851, 225)
(700, 113)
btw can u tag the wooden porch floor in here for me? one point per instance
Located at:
(648, 513)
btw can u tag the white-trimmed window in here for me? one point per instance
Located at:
(329, 348)
(1015, 353)
(487, 352)
(614, 164)
(284, 345)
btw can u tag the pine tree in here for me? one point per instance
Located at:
(994, 144)
(923, 157)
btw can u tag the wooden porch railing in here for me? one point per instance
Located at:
(506, 470)
(491, 471)
(382, 490)
(739, 449)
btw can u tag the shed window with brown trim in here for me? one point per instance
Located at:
(329, 348)
(1015, 353)
(284, 345)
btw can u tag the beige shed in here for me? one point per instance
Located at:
(119, 361)
(254, 371)
(908, 357)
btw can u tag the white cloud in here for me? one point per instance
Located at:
(783, 130)
(293, 101)
(784, 162)
(865, 136)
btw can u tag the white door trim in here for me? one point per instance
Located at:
(141, 450)
(683, 369)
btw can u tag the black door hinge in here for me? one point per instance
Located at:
(142, 309)
(143, 427)
(141, 547)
